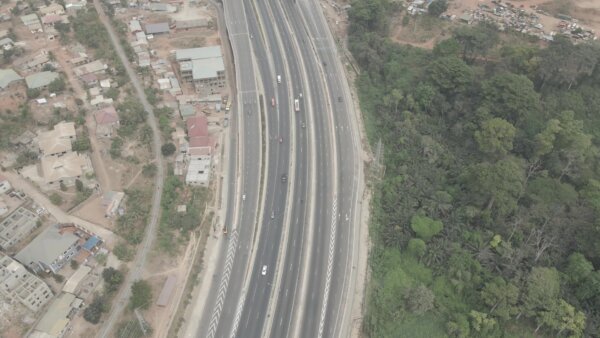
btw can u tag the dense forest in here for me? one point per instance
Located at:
(485, 223)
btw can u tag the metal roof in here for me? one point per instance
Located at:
(47, 246)
(7, 76)
(157, 28)
(41, 79)
(55, 319)
(91, 243)
(198, 53)
(207, 68)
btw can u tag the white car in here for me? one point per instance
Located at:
(243, 197)
(264, 270)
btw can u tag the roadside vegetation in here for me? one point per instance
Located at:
(175, 225)
(90, 32)
(485, 222)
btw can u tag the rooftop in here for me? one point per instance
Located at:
(106, 115)
(157, 28)
(207, 68)
(67, 166)
(8, 76)
(75, 279)
(92, 67)
(30, 19)
(187, 110)
(41, 79)
(55, 319)
(49, 245)
(51, 144)
(197, 126)
(198, 53)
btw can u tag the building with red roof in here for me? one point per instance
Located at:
(107, 120)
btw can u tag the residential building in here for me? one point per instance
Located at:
(72, 6)
(65, 169)
(101, 101)
(58, 141)
(107, 121)
(3, 207)
(53, 8)
(197, 129)
(187, 111)
(157, 28)
(135, 26)
(51, 19)
(198, 151)
(18, 284)
(32, 22)
(198, 173)
(203, 67)
(189, 24)
(51, 249)
(161, 7)
(16, 226)
(55, 321)
(4, 185)
(80, 59)
(89, 80)
(94, 67)
(41, 80)
(8, 77)
(35, 62)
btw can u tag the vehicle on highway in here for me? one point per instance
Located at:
(273, 101)
(243, 197)
(281, 140)
(283, 178)
(264, 270)
(272, 214)
(303, 125)
(278, 78)
(296, 105)
(300, 95)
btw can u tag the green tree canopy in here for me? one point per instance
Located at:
(419, 300)
(502, 297)
(141, 295)
(510, 96)
(437, 7)
(450, 75)
(425, 227)
(496, 186)
(542, 288)
(495, 137)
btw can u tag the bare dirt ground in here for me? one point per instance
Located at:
(93, 210)
(160, 317)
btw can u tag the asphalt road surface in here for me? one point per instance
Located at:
(307, 231)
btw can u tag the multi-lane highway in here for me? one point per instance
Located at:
(301, 228)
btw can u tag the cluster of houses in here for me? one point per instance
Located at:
(44, 21)
(59, 164)
(202, 68)
(22, 265)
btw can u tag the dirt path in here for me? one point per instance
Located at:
(22, 184)
(101, 174)
(163, 319)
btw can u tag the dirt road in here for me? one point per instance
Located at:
(29, 189)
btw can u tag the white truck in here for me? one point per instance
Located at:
(296, 105)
